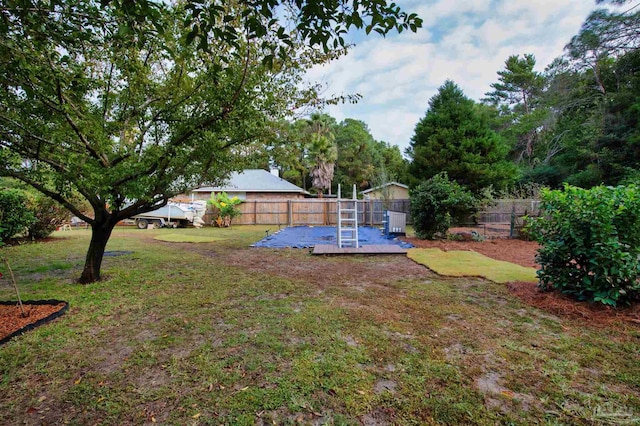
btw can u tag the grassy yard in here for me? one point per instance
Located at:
(220, 333)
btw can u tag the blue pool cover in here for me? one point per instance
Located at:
(309, 236)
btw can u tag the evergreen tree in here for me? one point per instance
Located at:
(593, 92)
(518, 94)
(455, 137)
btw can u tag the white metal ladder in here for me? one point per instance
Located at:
(347, 220)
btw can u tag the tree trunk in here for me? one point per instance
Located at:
(100, 233)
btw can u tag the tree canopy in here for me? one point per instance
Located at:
(362, 159)
(582, 125)
(129, 103)
(276, 24)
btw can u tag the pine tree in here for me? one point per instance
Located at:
(454, 137)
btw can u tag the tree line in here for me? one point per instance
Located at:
(577, 122)
(318, 153)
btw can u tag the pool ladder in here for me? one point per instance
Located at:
(347, 220)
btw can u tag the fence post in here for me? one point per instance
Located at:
(290, 212)
(513, 221)
(371, 206)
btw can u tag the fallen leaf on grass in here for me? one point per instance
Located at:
(195, 416)
(77, 382)
(507, 393)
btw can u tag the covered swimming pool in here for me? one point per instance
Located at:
(310, 236)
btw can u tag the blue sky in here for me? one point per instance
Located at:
(465, 41)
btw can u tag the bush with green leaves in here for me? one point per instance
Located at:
(226, 207)
(590, 242)
(15, 217)
(49, 215)
(436, 203)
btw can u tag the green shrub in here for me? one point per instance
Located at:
(15, 217)
(48, 213)
(590, 242)
(436, 203)
(226, 208)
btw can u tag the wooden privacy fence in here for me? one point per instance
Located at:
(370, 212)
(504, 209)
(312, 212)
(505, 218)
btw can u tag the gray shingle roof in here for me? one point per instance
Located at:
(253, 180)
(382, 186)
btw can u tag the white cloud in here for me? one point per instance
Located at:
(467, 42)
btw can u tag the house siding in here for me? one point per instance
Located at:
(395, 193)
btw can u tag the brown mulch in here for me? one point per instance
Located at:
(11, 319)
(515, 251)
(563, 306)
(523, 253)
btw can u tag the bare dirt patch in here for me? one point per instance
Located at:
(365, 277)
(326, 271)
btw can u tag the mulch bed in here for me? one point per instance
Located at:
(561, 305)
(38, 312)
(523, 253)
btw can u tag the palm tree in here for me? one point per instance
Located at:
(323, 151)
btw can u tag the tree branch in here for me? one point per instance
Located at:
(27, 151)
(53, 195)
(226, 110)
(63, 99)
(140, 207)
(105, 108)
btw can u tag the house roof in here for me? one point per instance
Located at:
(253, 180)
(385, 185)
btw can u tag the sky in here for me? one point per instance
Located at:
(466, 41)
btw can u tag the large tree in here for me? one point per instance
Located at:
(323, 152)
(129, 103)
(518, 94)
(362, 159)
(454, 137)
(593, 92)
(357, 155)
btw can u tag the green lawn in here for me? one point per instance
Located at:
(220, 333)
